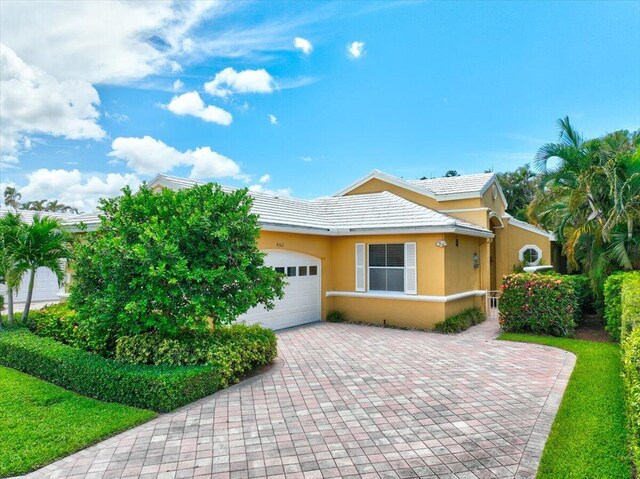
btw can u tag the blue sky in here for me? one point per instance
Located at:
(437, 86)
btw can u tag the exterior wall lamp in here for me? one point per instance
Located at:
(476, 261)
(441, 243)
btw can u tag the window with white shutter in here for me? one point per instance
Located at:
(360, 267)
(410, 273)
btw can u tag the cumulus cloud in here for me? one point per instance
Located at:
(74, 188)
(178, 85)
(148, 156)
(229, 81)
(191, 104)
(273, 119)
(33, 102)
(355, 49)
(265, 178)
(276, 192)
(103, 42)
(303, 45)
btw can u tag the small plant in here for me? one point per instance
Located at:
(461, 321)
(336, 316)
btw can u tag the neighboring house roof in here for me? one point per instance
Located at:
(440, 189)
(529, 227)
(357, 214)
(27, 215)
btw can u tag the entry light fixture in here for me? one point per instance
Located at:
(441, 243)
(476, 261)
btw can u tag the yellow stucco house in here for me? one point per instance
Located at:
(390, 251)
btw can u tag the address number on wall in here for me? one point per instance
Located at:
(280, 245)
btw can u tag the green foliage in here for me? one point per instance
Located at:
(41, 422)
(234, 350)
(591, 200)
(582, 290)
(461, 321)
(336, 316)
(589, 435)
(613, 303)
(538, 304)
(519, 188)
(148, 387)
(57, 321)
(168, 262)
(1, 302)
(630, 304)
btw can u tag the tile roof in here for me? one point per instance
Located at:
(453, 185)
(366, 212)
(27, 215)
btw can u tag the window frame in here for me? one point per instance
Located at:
(402, 268)
(534, 247)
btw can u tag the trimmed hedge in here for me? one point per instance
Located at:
(630, 313)
(160, 388)
(539, 304)
(612, 303)
(461, 321)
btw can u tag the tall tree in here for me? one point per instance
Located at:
(12, 197)
(591, 199)
(519, 187)
(451, 173)
(10, 232)
(42, 244)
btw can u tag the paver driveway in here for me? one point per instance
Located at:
(356, 401)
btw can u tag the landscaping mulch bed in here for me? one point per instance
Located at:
(592, 329)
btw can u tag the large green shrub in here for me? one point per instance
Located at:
(167, 262)
(56, 321)
(236, 350)
(461, 321)
(613, 303)
(160, 388)
(630, 313)
(582, 289)
(538, 304)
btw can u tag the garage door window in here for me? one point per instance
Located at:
(302, 270)
(291, 270)
(279, 269)
(313, 271)
(386, 267)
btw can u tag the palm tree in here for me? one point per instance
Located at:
(12, 197)
(591, 199)
(10, 232)
(42, 244)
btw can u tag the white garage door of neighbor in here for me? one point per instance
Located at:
(45, 287)
(301, 301)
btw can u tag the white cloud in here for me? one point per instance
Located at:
(303, 44)
(178, 85)
(117, 117)
(103, 42)
(355, 49)
(33, 102)
(273, 119)
(306, 158)
(265, 178)
(191, 104)
(228, 81)
(74, 188)
(276, 192)
(148, 156)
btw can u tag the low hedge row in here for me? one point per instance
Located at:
(540, 304)
(160, 388)
(630, 340)
(461, 321)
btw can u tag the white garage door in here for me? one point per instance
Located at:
(301, 301)
(45, 287)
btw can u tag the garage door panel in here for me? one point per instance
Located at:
(301, 302)
(45, 287)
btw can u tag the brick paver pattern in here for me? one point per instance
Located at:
(348, 401)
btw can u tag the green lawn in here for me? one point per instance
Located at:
(588, 437)
(40, 422)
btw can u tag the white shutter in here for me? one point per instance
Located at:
(360, 267)
(410, 275)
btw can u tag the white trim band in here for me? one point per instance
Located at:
(407, 297)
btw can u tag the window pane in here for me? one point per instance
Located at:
(378, 279)
(377, 253)
(395, 255)
(280, 269)
(291, 270)
(530, 255)
(302, 270)
(395, 280)
(313, 271)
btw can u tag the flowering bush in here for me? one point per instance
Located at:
(538, 304)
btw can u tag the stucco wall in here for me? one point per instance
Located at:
(516, 238)
(460, 275)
